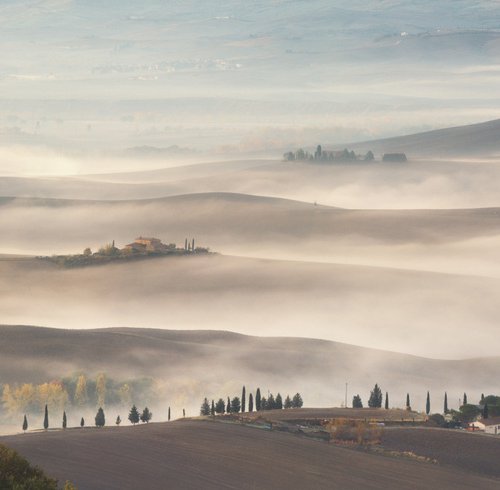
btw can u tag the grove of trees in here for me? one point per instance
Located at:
(320, 155)
(236, 404)
(76, 392)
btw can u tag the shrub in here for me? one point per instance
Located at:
(436, 420)
(355, 431)
(17, 474)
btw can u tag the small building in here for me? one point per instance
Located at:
(394, 157)
(489, 425)
(145, 244)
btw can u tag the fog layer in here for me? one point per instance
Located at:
(382, 308)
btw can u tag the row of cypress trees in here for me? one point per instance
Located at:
(376, 398)
(100, 418)
(237, 404)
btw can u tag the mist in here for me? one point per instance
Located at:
(79, 76)
(170, 120)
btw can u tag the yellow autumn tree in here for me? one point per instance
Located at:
(101, 389)
(26, 398)
(20, 399)
(8, 400)
(125, 394)
(53, 395)
(81, 396)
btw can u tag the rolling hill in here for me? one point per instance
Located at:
(195, 454)
(213, 363)
(463, 241)
(461, 141)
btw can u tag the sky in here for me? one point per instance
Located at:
(80, 77)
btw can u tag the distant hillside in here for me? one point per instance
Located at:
(212, 363)
(156, 152)
(220, 218)
(472, 140)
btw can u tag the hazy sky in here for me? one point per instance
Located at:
(82, 76)
(88, 87)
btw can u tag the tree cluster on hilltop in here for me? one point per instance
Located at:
(467, 412)
(321, 155)
(257, 403)
(141, 248)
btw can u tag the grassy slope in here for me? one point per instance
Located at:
(193, 455)
(481, 138)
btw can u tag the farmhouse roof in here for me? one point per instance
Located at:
(135, 245)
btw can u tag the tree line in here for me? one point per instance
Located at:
(321, 155)
(257, 403)
(467, 412)
(134, 416)
(77, 391)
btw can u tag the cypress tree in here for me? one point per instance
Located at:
(482, 399)
(186, 244)
(220, 406)
(212, 408)
(465, 398)
(357, 402)
(235, 405)
(183, 412)
(485, 411)
(46, 418)
(243, 400)
(146, 415)
(205, 407)
(263, 403)
(386, 400)
(133, 415)
(169, 414)
(228, 405)
(446, 403)
(82, 422)
(297, 401)
(65, 420)
(250, 403)
(375, 400)
(100, 420)
(408, 405)
(288, 402)
(25, 424)
(118, 420)
(271, 402)
(192, 245)
(257, 399)
(428, 404)
(278, 402)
